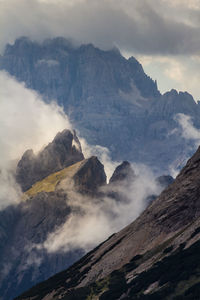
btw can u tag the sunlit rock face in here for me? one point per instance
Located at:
(62, 152)
(110, 99)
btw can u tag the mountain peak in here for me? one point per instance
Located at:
(63, 151)
(90, 176)
(122, 172)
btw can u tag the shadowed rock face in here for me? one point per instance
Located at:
(22, 228)
(123, 172)
(90, 177)
(157, 253)
(120, 183)
(63, 151)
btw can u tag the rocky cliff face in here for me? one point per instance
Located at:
(90, 177)
(24, 228)
(123, 109)
(155, 257)
(123, 172)
(63, 151)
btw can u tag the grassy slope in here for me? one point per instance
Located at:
(49, 183)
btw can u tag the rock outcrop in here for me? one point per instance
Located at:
(120, 183)
(123, 172)
(63, 151)
(90, 176)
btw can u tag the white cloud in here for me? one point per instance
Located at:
(93, 220)
(25, 122)
(188, 130)
(191, 134)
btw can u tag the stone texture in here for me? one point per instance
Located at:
(58, 154)
(90, 176)
(122, 172)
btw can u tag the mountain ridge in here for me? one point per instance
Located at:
(113, 92)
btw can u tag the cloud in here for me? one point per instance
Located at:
(92, 220)
(191, 134)
(25, 122)
(142, 26)
(188, 130)
(157, 29)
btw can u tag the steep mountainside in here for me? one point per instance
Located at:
(110, 99)
(155, 257)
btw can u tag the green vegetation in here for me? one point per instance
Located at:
(49, 183)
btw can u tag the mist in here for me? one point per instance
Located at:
(191, 134)
(92, 220)
(26, 122)
(188, 130)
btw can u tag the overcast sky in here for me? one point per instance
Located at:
(163, 34)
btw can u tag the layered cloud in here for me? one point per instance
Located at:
(144, 26)
(156, 29)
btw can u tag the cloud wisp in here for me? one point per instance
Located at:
(25, 122)
(188, 130)
(92, 220)
(191, 134)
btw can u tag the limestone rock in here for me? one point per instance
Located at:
(63, 151)
(123, 172)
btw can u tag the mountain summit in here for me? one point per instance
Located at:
(62, 152)
(109, 98)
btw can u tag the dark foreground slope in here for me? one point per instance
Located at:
(110, 99)
(155, 257)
